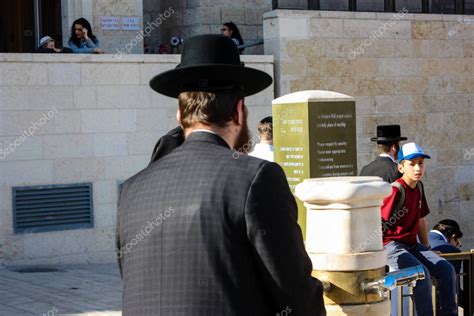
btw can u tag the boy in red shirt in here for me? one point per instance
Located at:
(401, 227)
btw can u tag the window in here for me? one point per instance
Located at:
(370, 5)
(442, 6)
(334, 5)
(410, 5)
(469, 7)
(414, 6)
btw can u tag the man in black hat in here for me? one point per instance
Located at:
(388, 143)
(204, 230)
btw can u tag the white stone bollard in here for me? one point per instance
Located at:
(344, 240)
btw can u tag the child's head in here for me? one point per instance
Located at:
(411, 162)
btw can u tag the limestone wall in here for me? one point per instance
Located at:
(415, 70)
(125, 41)
(104, 123)
(204, 16)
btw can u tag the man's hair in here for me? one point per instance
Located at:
(385, 147)
(448, 228)
(265, 128)
(208, 107)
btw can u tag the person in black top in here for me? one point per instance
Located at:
(47, 46)
(388, 143)
(231, 31)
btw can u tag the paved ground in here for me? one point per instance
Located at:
(73, 290)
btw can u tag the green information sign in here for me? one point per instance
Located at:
(314, 135)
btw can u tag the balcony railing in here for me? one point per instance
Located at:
(464, 280)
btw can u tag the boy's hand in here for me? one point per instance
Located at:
(423, 232)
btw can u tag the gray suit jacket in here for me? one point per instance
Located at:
(206, 231)
(382, 167)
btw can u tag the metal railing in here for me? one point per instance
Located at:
(464, 279)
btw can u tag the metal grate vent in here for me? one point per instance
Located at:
(36, 270)
(53, 207)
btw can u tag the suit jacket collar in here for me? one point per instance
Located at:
(207, 137)
(387, 156)
(383, 158)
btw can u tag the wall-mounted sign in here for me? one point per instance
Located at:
(130, 24)
(110, 23)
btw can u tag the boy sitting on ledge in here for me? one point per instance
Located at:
(403, 216)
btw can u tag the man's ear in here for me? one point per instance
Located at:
(238, 116)
(400, 167)
(393, 149)
(178, 116)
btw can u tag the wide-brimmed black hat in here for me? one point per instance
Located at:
(210, 63)
(388, 133)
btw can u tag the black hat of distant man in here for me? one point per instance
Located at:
(388, 133)
(210, 63)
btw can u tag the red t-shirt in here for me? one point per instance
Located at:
(402, 225)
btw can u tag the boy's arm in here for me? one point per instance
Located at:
(423, 231)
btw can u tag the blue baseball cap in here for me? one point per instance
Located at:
(410, 151)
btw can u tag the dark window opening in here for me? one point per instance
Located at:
(24, 22)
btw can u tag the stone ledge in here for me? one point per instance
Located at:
(285, 12)
(349, 261)
(111, 58)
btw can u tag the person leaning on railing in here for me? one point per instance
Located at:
(47, 46)
(445, 238)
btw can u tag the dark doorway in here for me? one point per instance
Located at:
(23, 22)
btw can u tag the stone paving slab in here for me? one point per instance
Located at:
(70, 290)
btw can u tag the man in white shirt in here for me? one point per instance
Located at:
(264, 149)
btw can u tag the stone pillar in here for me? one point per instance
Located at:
(344, 240)
(314, 135)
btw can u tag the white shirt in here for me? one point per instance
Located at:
(439, 233)
(387, 155)
(263, 151)
(203, 130)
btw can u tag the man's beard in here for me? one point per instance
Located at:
(242, 143)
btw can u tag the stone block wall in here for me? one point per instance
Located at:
(204, 16)
(112, 41)
(103, 123)
(416, 70)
